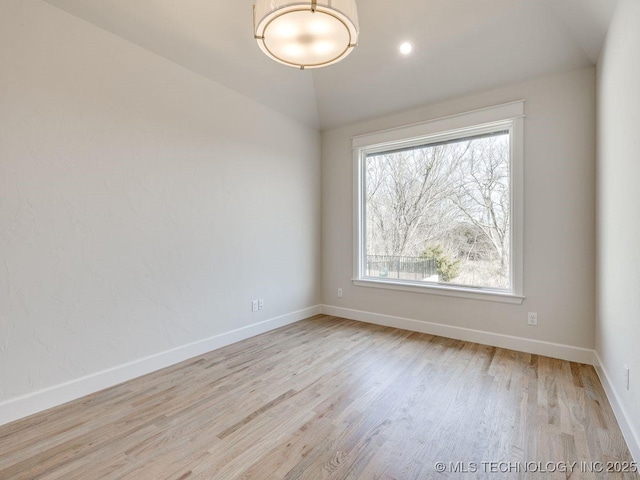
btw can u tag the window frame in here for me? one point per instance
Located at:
(509, 116)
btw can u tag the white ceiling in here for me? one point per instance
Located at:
(460, 47)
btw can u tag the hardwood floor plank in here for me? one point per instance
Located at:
(329, 398)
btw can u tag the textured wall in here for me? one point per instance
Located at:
(142, 207)
(618, 315)
(559, 201)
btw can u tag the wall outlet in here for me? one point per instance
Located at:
(532, 318)
(339, 293)
(627, 377)
(254, 305)
(260, 304)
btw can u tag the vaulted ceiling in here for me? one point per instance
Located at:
(460, 47)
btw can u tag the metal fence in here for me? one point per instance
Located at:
(408, 268)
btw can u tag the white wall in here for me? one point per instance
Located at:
(559, 218)
(142, 207)
(618, 312)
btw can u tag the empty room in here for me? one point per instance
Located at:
(312, 239)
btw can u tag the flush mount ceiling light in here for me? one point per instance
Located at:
(306, 34)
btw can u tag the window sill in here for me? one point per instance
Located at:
(449, 291)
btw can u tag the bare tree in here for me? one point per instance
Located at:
(484, 196)
(452, 197)
(406, 197)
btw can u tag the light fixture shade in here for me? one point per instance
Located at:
(306, 34)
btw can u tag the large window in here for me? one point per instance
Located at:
(442, 210)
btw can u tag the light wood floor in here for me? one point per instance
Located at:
(329, 398)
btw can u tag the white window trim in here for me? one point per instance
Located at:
(512, 116)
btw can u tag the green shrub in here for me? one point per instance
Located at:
(448, 269)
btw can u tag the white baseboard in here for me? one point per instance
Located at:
(630, 433)
(25, 405)
(538, 347)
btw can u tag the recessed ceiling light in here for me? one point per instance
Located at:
(405, 48)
